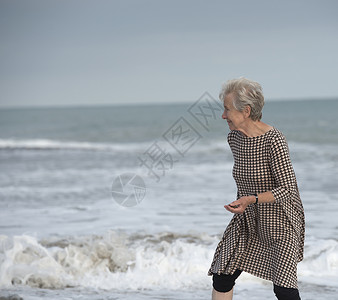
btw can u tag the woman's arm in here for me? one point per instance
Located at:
(238, 206)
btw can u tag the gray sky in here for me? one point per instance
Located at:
(66, 52)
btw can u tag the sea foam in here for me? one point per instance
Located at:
(47, 144)
(135, 261)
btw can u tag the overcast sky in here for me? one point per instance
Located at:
(69, 52)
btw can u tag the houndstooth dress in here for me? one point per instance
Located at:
(267, 240)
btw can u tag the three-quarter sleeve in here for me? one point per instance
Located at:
(282, 170)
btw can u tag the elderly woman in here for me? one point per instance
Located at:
(266, 234)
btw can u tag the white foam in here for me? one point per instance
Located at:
(138, 148)
(116, 261)
(103, 262)
(46, 144)
(320, 265)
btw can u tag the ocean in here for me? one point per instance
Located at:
(126, 202)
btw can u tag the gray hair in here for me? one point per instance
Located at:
(246, 92)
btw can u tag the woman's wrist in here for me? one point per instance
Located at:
(253, 199)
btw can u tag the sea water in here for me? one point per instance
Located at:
(64, 236)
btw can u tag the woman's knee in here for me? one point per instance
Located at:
(224, 283)
(283, 293)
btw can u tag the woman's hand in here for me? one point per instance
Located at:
(238, 206)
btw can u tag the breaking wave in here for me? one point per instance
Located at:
(136, 261)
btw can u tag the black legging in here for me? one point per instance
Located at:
(224, 283)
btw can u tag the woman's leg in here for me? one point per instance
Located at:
(222, 296)
(223, 285)
(283, 293)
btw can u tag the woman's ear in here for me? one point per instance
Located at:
(247, 111)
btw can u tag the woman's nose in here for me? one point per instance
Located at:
(224, 116)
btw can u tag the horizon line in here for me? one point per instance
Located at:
(84, 105)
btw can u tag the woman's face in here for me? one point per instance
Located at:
(234, 117)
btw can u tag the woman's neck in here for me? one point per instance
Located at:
(254, 128)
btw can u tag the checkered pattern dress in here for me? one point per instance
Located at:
(267, 240)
